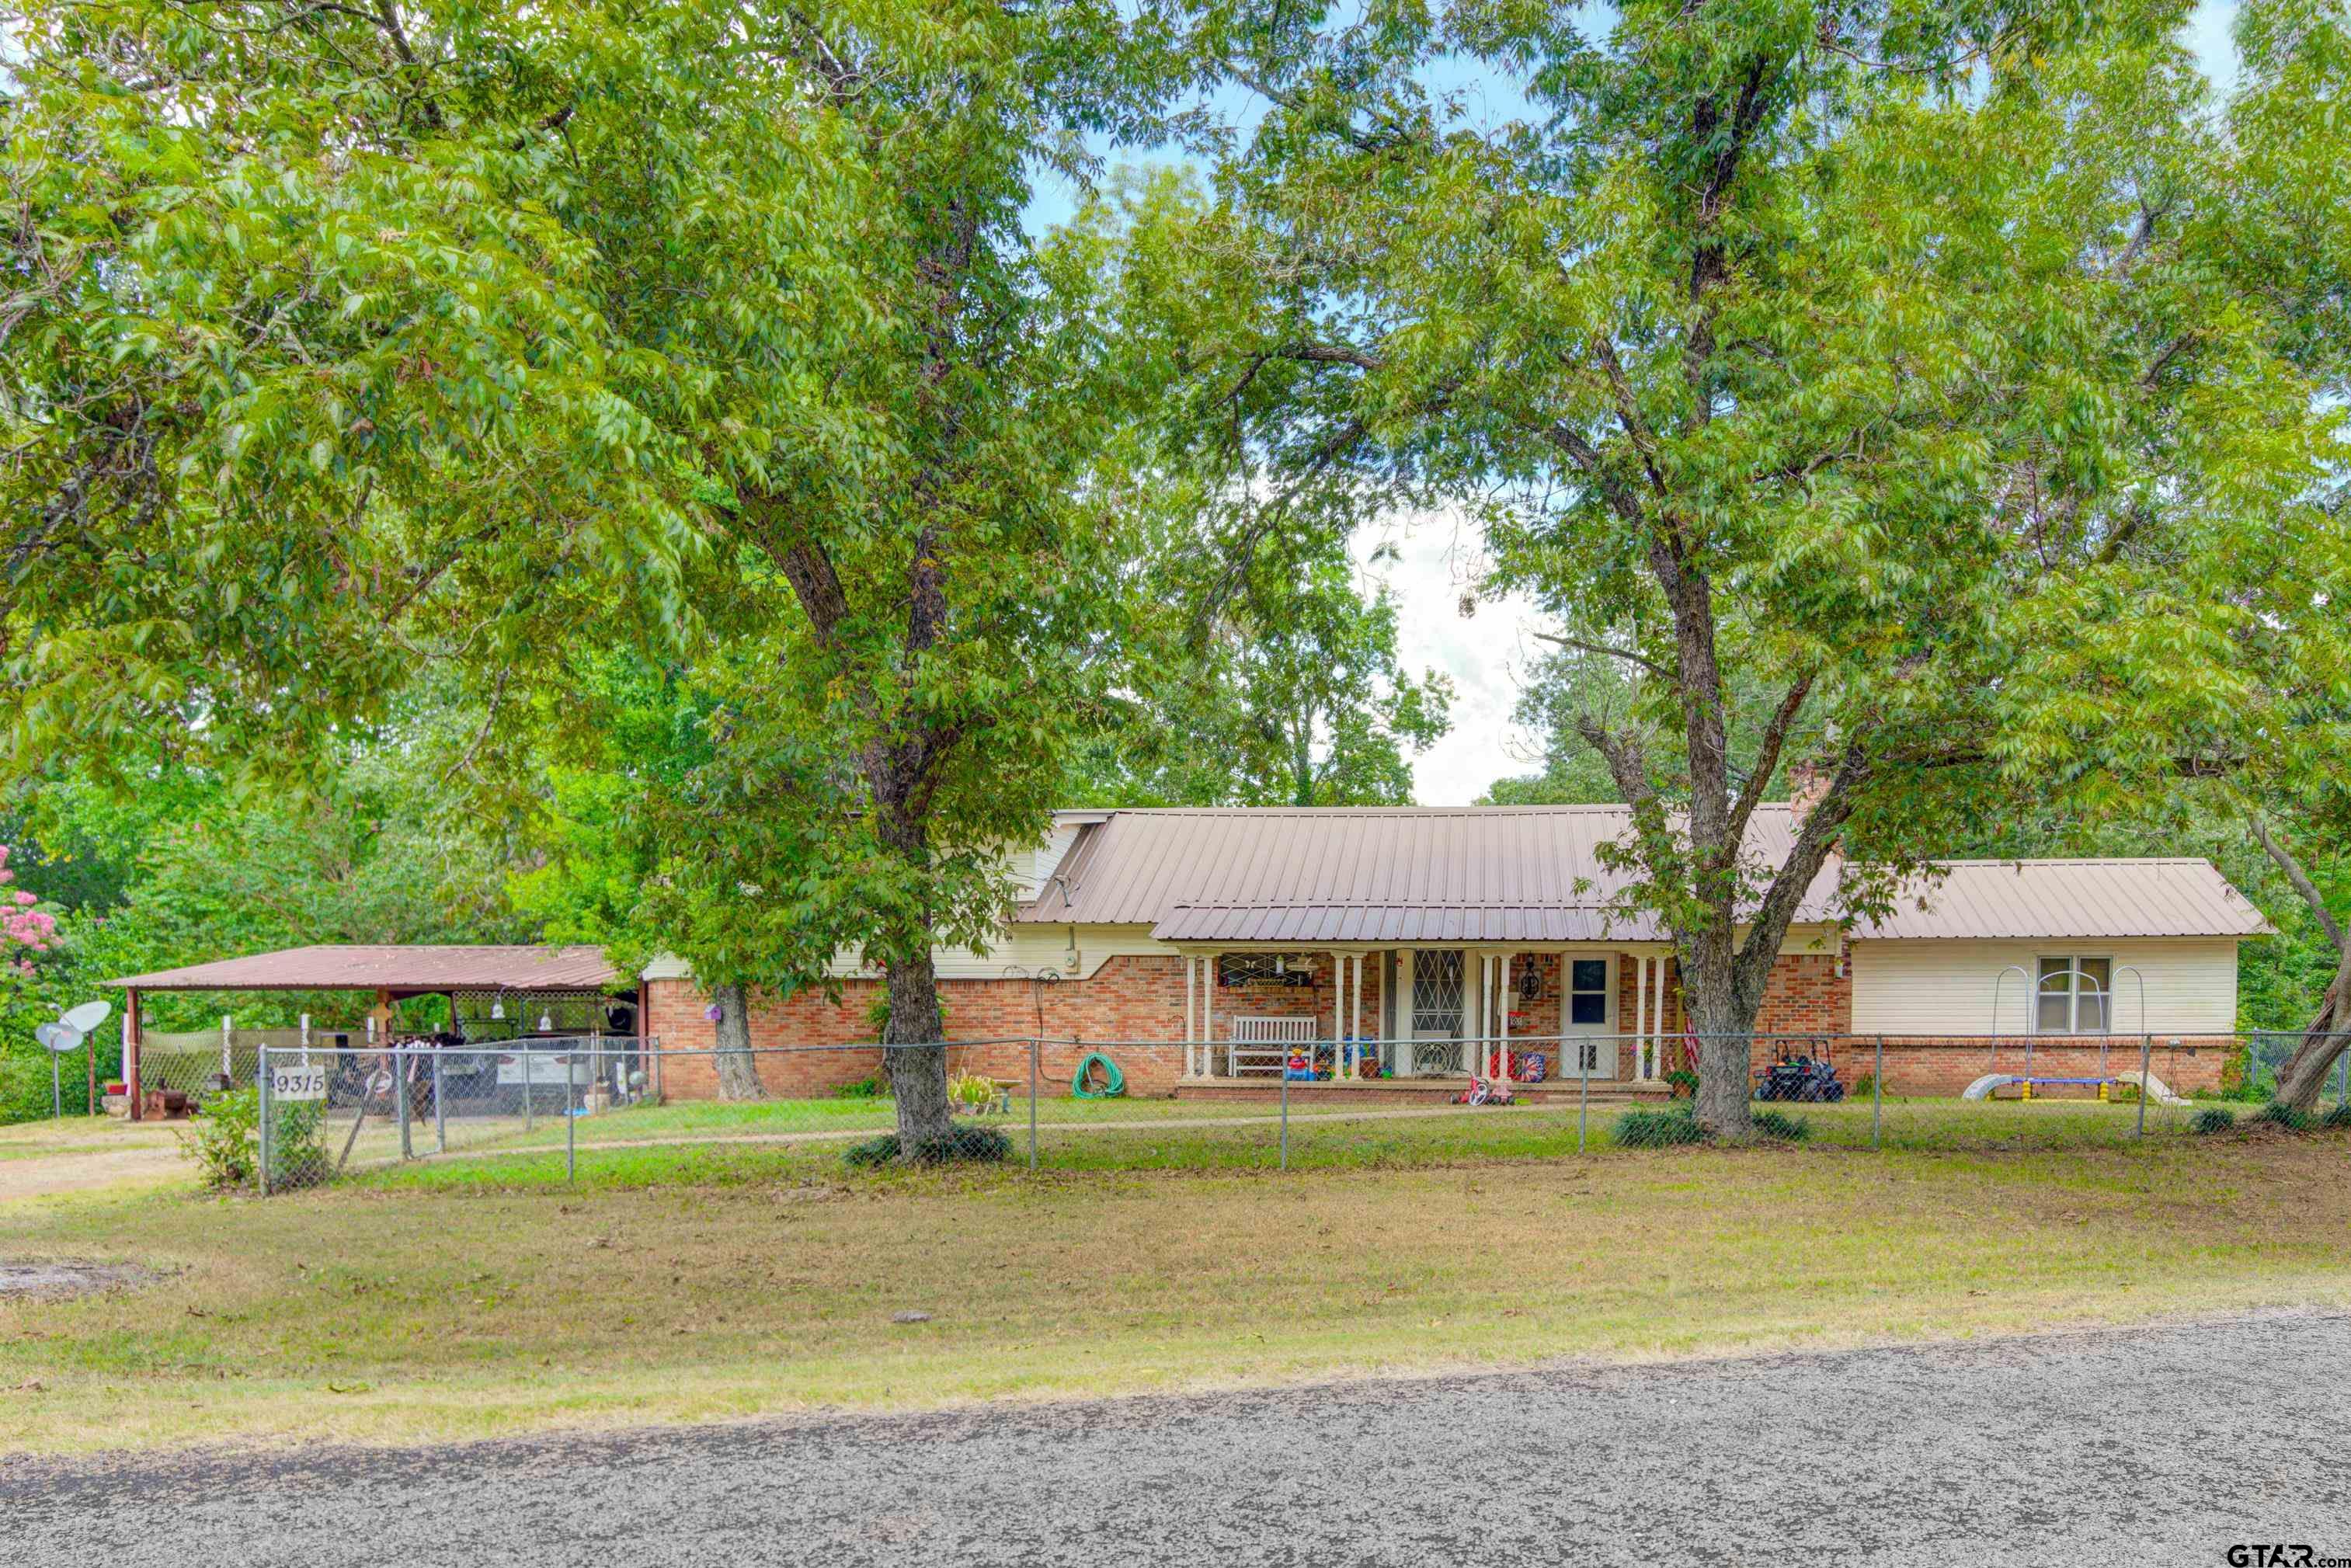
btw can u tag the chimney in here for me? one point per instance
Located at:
(1807, 782)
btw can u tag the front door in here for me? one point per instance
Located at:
(1584, 1015)
(1439, 1006)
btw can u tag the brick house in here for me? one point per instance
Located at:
(1412, 945)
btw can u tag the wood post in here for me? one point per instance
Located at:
(131, 1038)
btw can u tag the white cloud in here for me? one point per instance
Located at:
(1438, 559)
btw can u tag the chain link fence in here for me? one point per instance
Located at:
(616, 1108)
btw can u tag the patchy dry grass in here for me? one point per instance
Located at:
(398, 1311)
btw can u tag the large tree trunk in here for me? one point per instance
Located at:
(916, 1058)
(1725, 1045)
(738, 1070)
(2305, 1074)
(2304, 1077)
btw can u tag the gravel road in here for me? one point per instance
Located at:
(2145, 1446)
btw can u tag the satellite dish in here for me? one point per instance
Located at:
(59, 1037)
(86, 1016)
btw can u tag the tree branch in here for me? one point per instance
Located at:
(2298, 877)
(1625, 654)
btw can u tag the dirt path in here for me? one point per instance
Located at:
(40, 1160)
(2166, 1444)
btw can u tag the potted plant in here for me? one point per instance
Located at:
(1683, 1082)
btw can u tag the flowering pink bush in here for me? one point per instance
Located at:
(24, 927)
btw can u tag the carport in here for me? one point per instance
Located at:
(498, 991)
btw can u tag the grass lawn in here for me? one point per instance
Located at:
(470, 1298)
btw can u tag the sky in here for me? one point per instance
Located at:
(1487, 652)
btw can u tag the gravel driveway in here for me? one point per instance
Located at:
(2147, 1446)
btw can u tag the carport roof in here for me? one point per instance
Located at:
(392, 968)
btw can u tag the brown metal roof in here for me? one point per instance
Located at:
(1364, 874)
(2073, 898)
(392, 968)
(1533, 873)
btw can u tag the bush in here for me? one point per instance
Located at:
(1780, 1126)
(2212, 1119)
(1657, 1129)
(875, 1087)
(225, 1142)
(965, 1143)
(2338, 1117)
(2286, 1116)
(1684, 1081)
(972, 1089)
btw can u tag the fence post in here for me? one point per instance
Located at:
(1583, 1054)
(264, 1076)
(570, 1126)
(529, 1090)
(1035, 1047)
(440, 1116)
(1285, 1111)
(400, 1093)
(2145, 1061)
(1877, 1095)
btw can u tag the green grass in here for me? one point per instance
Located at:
(461, 1299)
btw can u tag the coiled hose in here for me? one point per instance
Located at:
(1114, 1080)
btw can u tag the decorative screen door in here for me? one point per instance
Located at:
(1439, 995)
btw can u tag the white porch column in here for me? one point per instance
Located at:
(1657, 1059)
(1208, 1012)
(1640, 1009)
(1400, 1061)
(1191, 1016)
(1355, 1015)
(1502, 1000)
(1475, 1014)
(1338, 1015)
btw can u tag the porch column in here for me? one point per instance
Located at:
(1656, 1062)
(1191, 1016)
(1478, 1026)
(1640, 1007)
(1338, 1015)
(1503, 1002)
(1355, 1014)
(1399, 1059)
(130, 1036)
(1207, 1012)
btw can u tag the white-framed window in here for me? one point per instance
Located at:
(2075, 996)
(1587, 993)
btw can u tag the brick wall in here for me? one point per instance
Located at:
(1134, 999)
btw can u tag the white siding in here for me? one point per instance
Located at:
(1945, 987)
(1024, 950)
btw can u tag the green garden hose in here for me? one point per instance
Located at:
(1114, 1080)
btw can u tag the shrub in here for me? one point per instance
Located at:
(2214, 1119)
(971, 1089)
(225, 1142)
(2286, 1116)
(1780, 1126)
(1863, 1087)
(965, 1143)
(2338, 1117)
(875, 1087)
(1657, 1129)
(1684, 1081)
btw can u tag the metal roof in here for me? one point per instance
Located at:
(2072, 898)
(1379, 873)
(392, 968)
(1534, 873)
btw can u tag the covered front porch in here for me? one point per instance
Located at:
(1420, 1020)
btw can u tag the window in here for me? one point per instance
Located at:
(1236, 969)
(2074, 997)
(1587, 991)
(1439, 992)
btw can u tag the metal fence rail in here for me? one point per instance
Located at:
(611, 1102)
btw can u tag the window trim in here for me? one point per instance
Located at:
(2074, 962)
(1568, 992)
